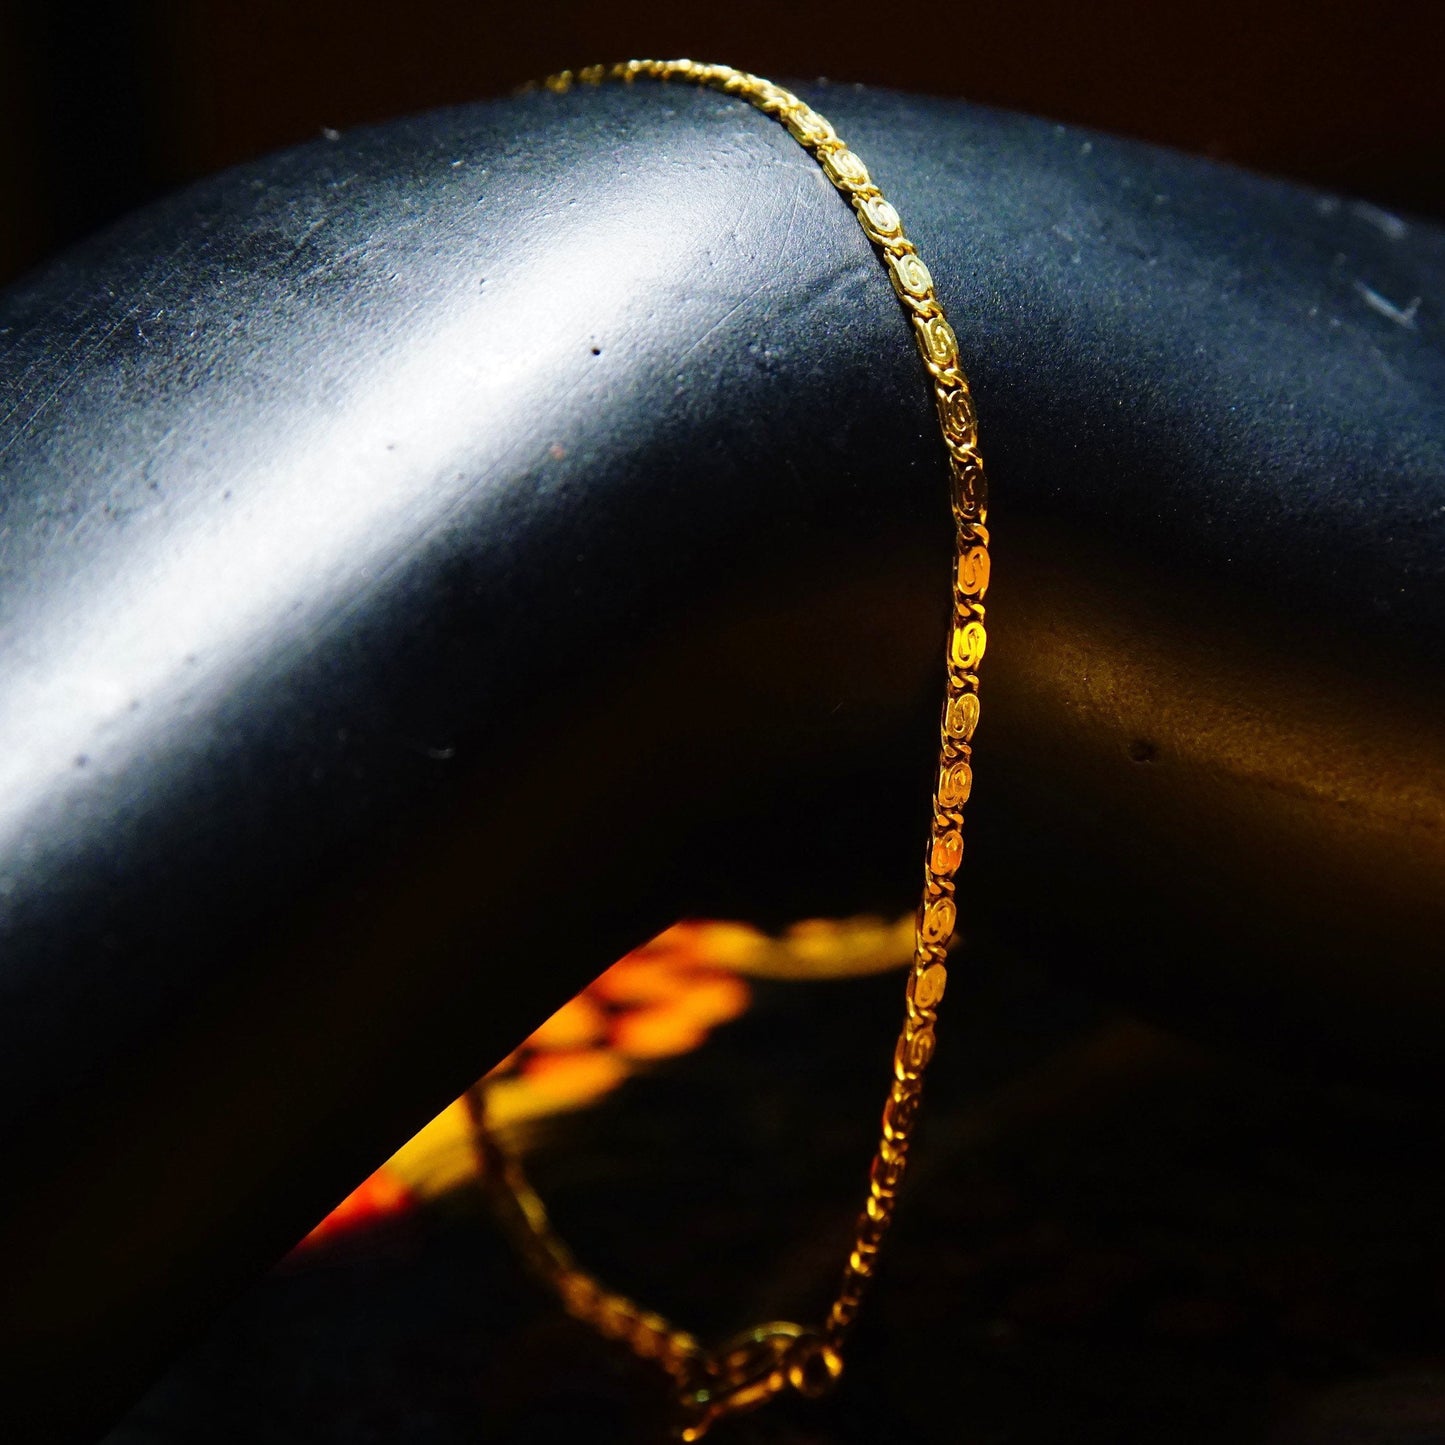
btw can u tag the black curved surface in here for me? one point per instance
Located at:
(432, 560)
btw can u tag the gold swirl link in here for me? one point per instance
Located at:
(763, 1362)
(955, 783)
(961, 717)
(972, 571)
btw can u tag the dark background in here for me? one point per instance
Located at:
(102, 108)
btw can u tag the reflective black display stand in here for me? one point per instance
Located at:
(432, 560)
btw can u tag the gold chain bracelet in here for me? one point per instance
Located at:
(769, 1359)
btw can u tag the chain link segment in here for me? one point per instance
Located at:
(769, 1359)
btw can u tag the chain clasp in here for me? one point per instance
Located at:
(754, 1367)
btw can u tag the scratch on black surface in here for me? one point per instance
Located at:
(88, 346)
(1400, 315)
(723, 319)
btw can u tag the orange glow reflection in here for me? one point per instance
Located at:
(660, 1001)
